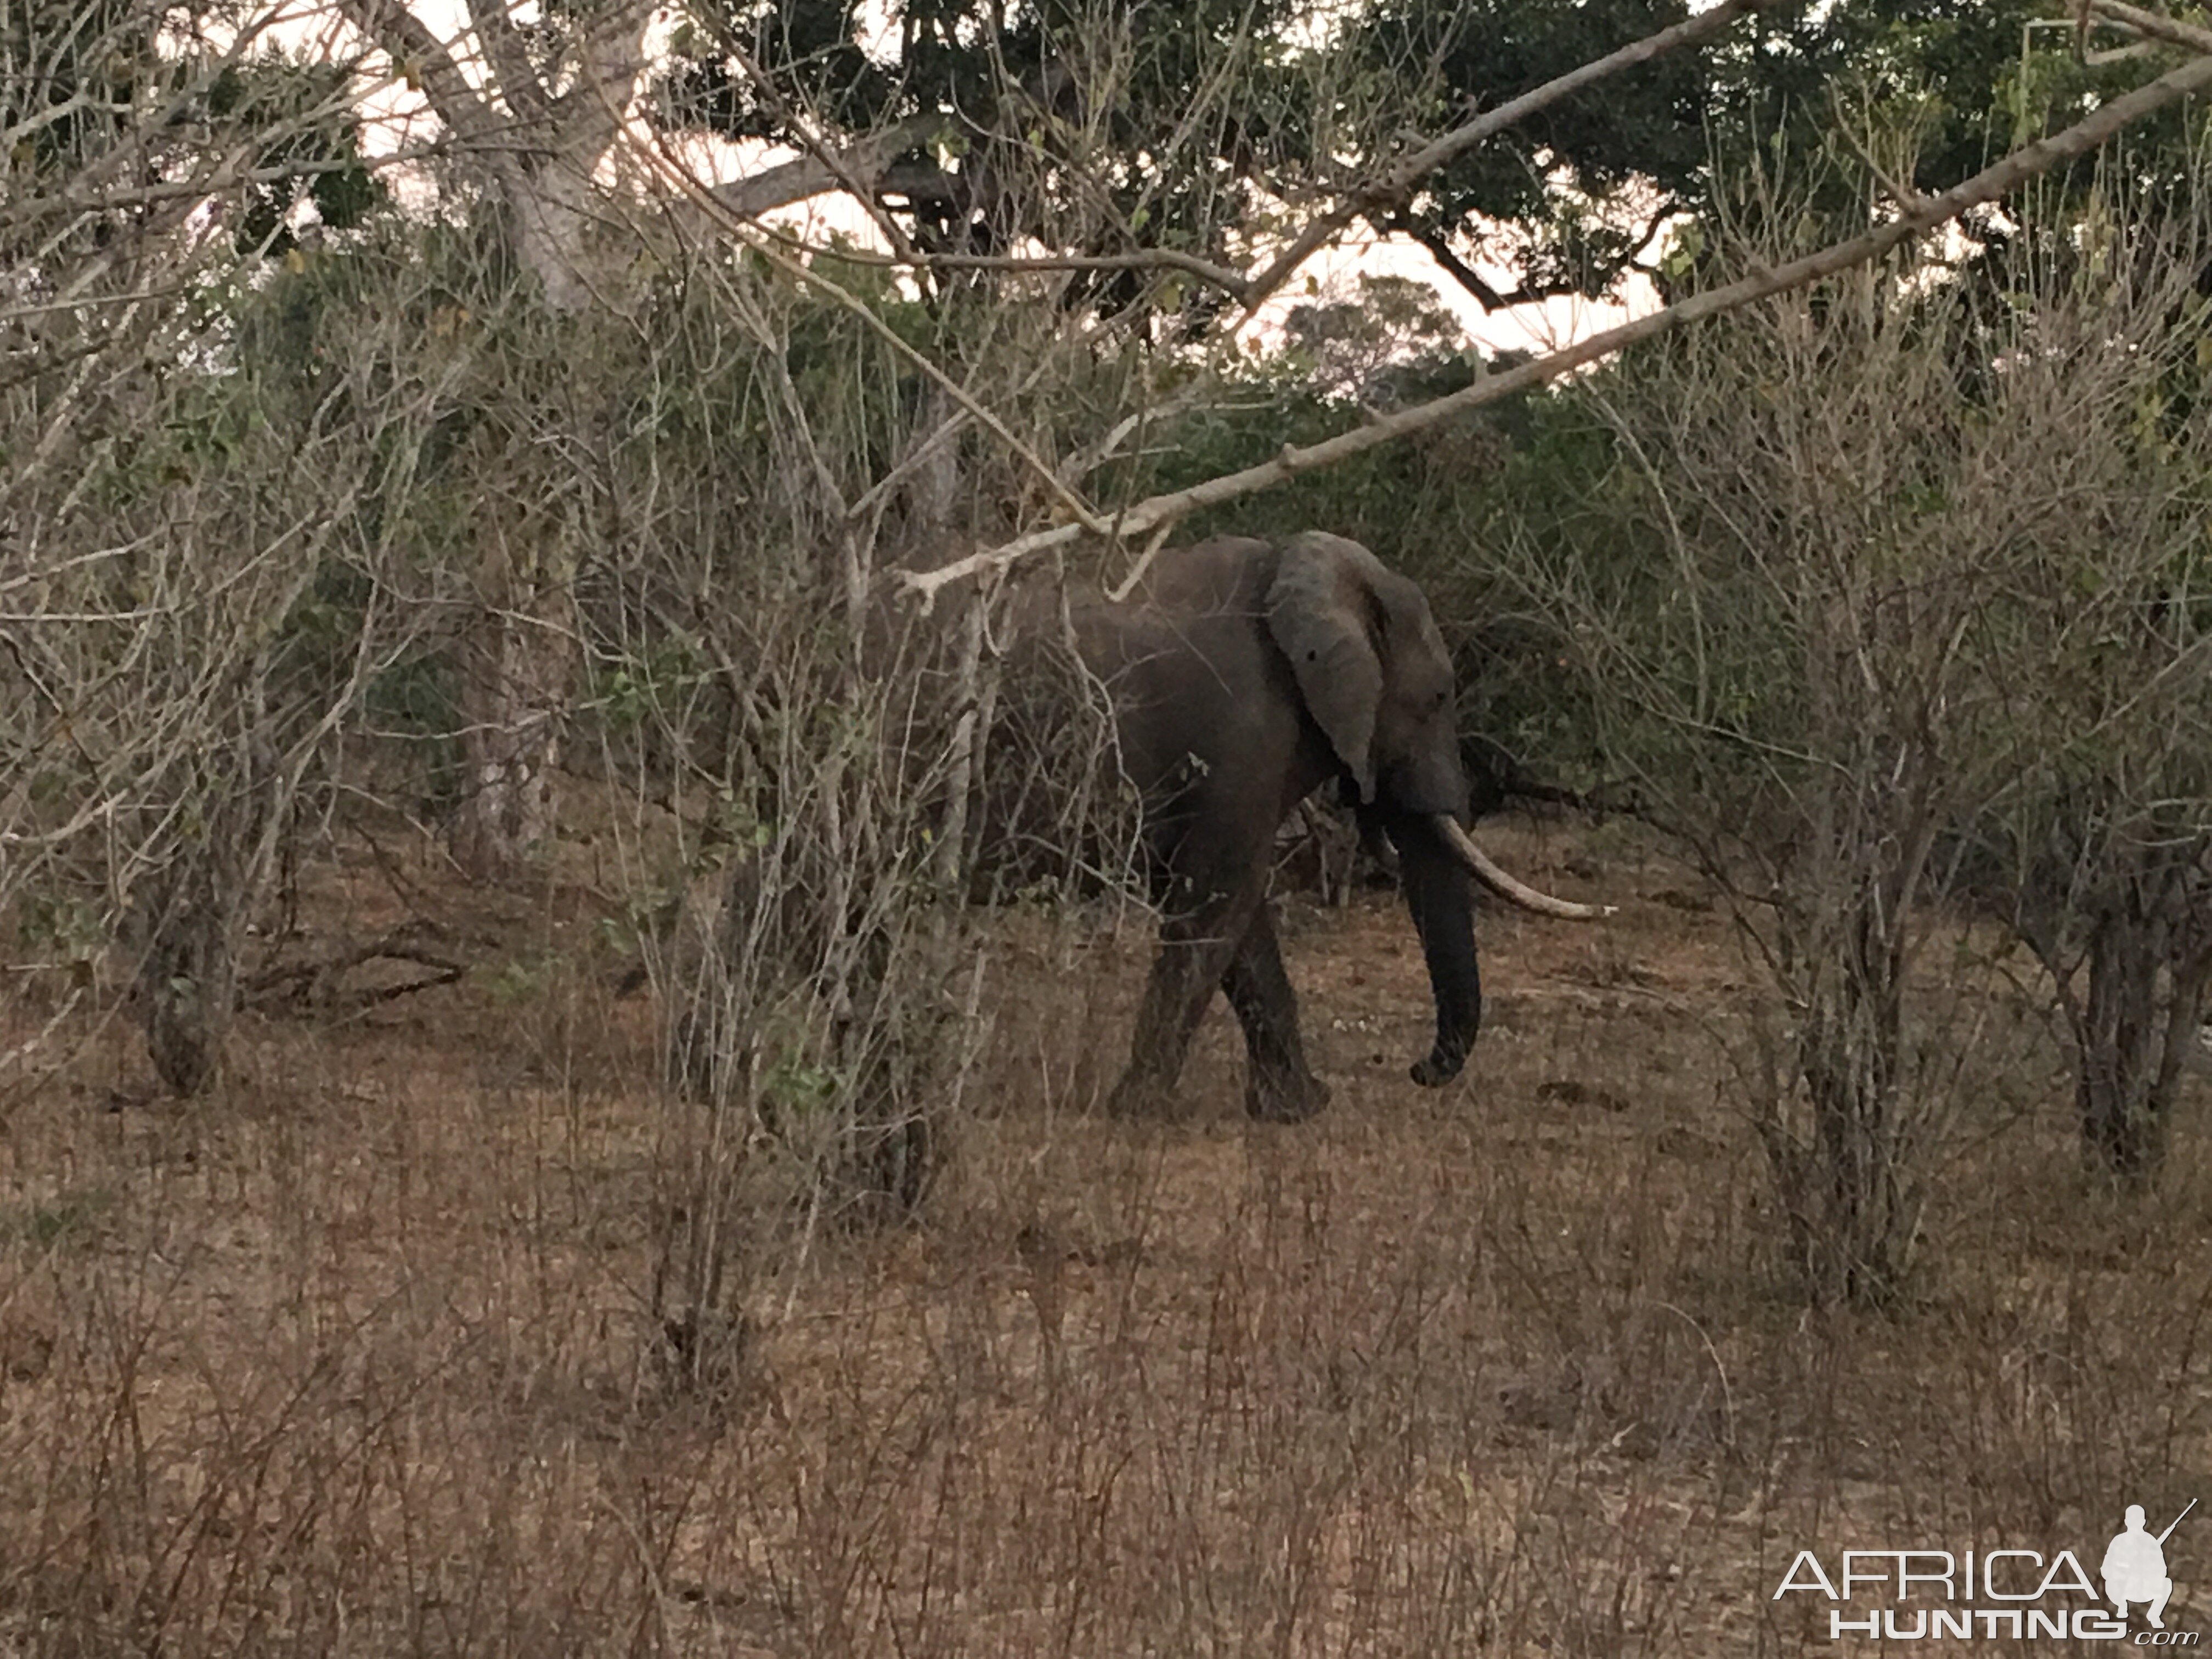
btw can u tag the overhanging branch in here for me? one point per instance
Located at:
(1925, 214)
(2190, 36)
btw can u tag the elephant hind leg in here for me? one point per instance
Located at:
(1195, 952)
(1278, 1086)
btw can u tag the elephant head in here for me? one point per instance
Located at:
(1372, 669)
(1377, 680)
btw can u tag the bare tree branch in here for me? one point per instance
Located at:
(1925, 215)
(860, 170)
(1448, 260)
(2191, 36)
(1395, 187)
(89, 188)
(1235, 283)
(673, 167)
(814, 144)
(510, 60)
(426, 62)
(803, 177)
(224, 175)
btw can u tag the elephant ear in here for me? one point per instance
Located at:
(1318, 611)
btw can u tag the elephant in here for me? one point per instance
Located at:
(1244, 674)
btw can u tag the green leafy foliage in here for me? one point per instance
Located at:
(1928, 91)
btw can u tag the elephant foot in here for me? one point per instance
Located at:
(1437, 1069)
(1137, 1095)
(1285, 1100)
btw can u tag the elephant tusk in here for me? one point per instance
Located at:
(1479, 865)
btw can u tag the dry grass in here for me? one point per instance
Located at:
(354, 1356)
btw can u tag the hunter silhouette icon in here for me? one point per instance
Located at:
(2135, 1566)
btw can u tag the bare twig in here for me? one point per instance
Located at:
(674, 168)
(857, 169)
(503, 47)
(1237, 283)
(213, 181)
(1391, 189)
(1927, 213)
(838, 165)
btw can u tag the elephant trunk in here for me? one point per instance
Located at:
(1442, 899)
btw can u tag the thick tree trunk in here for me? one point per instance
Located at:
(538, 132)
(550, 219)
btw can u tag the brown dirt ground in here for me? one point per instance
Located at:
(357, 1353)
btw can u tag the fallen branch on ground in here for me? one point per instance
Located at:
(313, 985)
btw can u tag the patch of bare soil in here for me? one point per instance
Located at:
(357, 1354)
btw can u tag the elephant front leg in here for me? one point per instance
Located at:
(1278, 1086)
(1194, 956)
